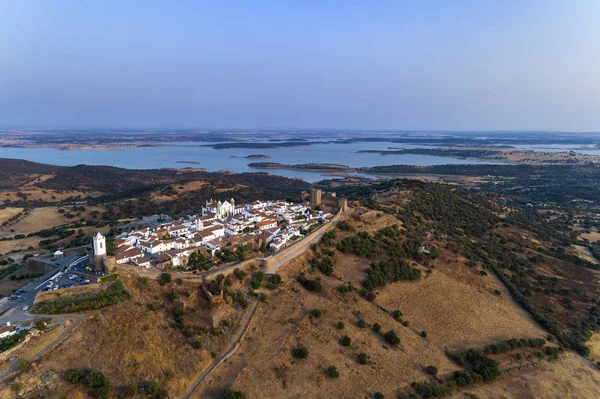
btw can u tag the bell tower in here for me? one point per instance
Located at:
(99, 245)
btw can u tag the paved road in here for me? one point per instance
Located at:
(12, 310)
(226, 353)
(12, 366)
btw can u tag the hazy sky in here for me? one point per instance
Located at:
(443, 65)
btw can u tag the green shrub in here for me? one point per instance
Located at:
(74, 376)
(99, 383)
(315, 313)
(344, 226)
(376, 327)
(24, 365)
(164, 278)
(196, 344)
(362, 358)
(274, 281)
(343, 289)
(424, 334)
(173, 295)
(392, 338)
(309, 284)
(340, 325)
(346, 340)
(378, 395)
(257, 279)
(230, 394)
(332, 372)
(300, 352)
(397, 314)
(431, 370)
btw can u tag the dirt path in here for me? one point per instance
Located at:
(12, 365)
(230, 350)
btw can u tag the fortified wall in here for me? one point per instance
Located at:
(65, 292)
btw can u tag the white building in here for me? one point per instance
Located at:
(99, 244)
(221, 209)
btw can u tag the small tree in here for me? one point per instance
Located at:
(300, 353)
(392, 338)
(378, 395)
(164, 278)
(230, 394)
(346, 340)
(315, 313)
(74, 376)
(397, 314)
(376, 327)
(431, 370)
(362, 358)
(424, 334)
(24, 365)
(340, 325)
(332, 372)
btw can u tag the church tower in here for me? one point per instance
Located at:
(99, 245)
(99, 260)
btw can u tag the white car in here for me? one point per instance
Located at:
(25, 307)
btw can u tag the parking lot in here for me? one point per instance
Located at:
(78, 273)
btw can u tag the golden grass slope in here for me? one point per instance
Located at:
(571, 377)
(35, 220)
(131, 343)
(9, 212)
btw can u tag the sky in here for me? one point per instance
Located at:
(422, 65)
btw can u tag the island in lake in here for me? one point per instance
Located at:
(311, 167)
(253, 156)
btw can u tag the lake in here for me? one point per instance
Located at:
(175, 155)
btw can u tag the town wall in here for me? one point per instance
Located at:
(52, 295)
(154, 274)
(300, 246)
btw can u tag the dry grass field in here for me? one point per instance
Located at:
(264, 366)
(34, 193)
(9, 212)
(35, 220)
(594, 345)
(44, 218)
(19, 245)
(459, 309)
(177, 188)
(592, 236)
(130, 344)
(571, 377)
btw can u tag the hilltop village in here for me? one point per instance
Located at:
(222, 232)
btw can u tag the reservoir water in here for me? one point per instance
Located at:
(197, 155)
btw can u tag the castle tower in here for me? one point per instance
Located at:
(315, 196)
(99, 245)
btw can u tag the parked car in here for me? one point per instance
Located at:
(25, 307)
